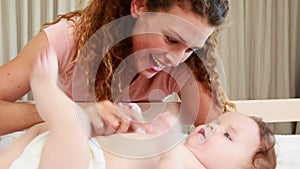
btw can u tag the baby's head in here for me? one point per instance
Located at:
(238, 141)
(264, 156)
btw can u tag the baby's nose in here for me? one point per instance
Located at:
(212, 126)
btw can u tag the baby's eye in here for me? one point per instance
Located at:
(227, 135)
(171, 40)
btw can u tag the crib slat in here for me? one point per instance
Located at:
(273, 110)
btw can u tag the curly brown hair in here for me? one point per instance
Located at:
(101, 12)
(265, 156)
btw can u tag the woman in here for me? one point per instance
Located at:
(173, 47)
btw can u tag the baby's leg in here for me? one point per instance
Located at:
(67, 144)
(51, 102)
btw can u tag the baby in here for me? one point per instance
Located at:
(238, 141)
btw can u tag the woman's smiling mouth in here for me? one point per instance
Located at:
(158, 66)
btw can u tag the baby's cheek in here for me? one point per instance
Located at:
(212, 146)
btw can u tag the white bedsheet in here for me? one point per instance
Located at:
(288, 151)
(287, 148)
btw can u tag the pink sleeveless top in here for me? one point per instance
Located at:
(61, 39)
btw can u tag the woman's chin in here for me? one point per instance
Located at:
(149, 73)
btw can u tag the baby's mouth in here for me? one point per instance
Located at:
(202, 137)
(202, 131)
(206, 131)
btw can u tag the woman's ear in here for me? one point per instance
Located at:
(137, 7)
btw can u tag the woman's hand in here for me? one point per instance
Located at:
(107, 118)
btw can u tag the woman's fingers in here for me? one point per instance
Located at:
(115, 117)
(132, 113)
(107, 118)
(110, 118)
(167, 121)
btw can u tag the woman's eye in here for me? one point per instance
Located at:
(227, 135)
(189, 50)
(171, 40)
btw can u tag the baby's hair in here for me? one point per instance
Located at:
(265, 156)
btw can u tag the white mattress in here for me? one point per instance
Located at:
(287, 148)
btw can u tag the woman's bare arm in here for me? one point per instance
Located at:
(17, 116)
(14, 77)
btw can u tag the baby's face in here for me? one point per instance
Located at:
(232, 144)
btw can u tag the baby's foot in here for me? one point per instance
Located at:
(44, 83)
(45, 70)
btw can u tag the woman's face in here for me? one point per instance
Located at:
(231, 145)
(165, 39)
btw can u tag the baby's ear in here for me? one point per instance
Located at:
(137, 7)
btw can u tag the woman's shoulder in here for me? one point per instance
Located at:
(61, 39)
(62, 28)
(61, 34)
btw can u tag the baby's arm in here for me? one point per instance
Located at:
(15, 149)
(67, 144)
